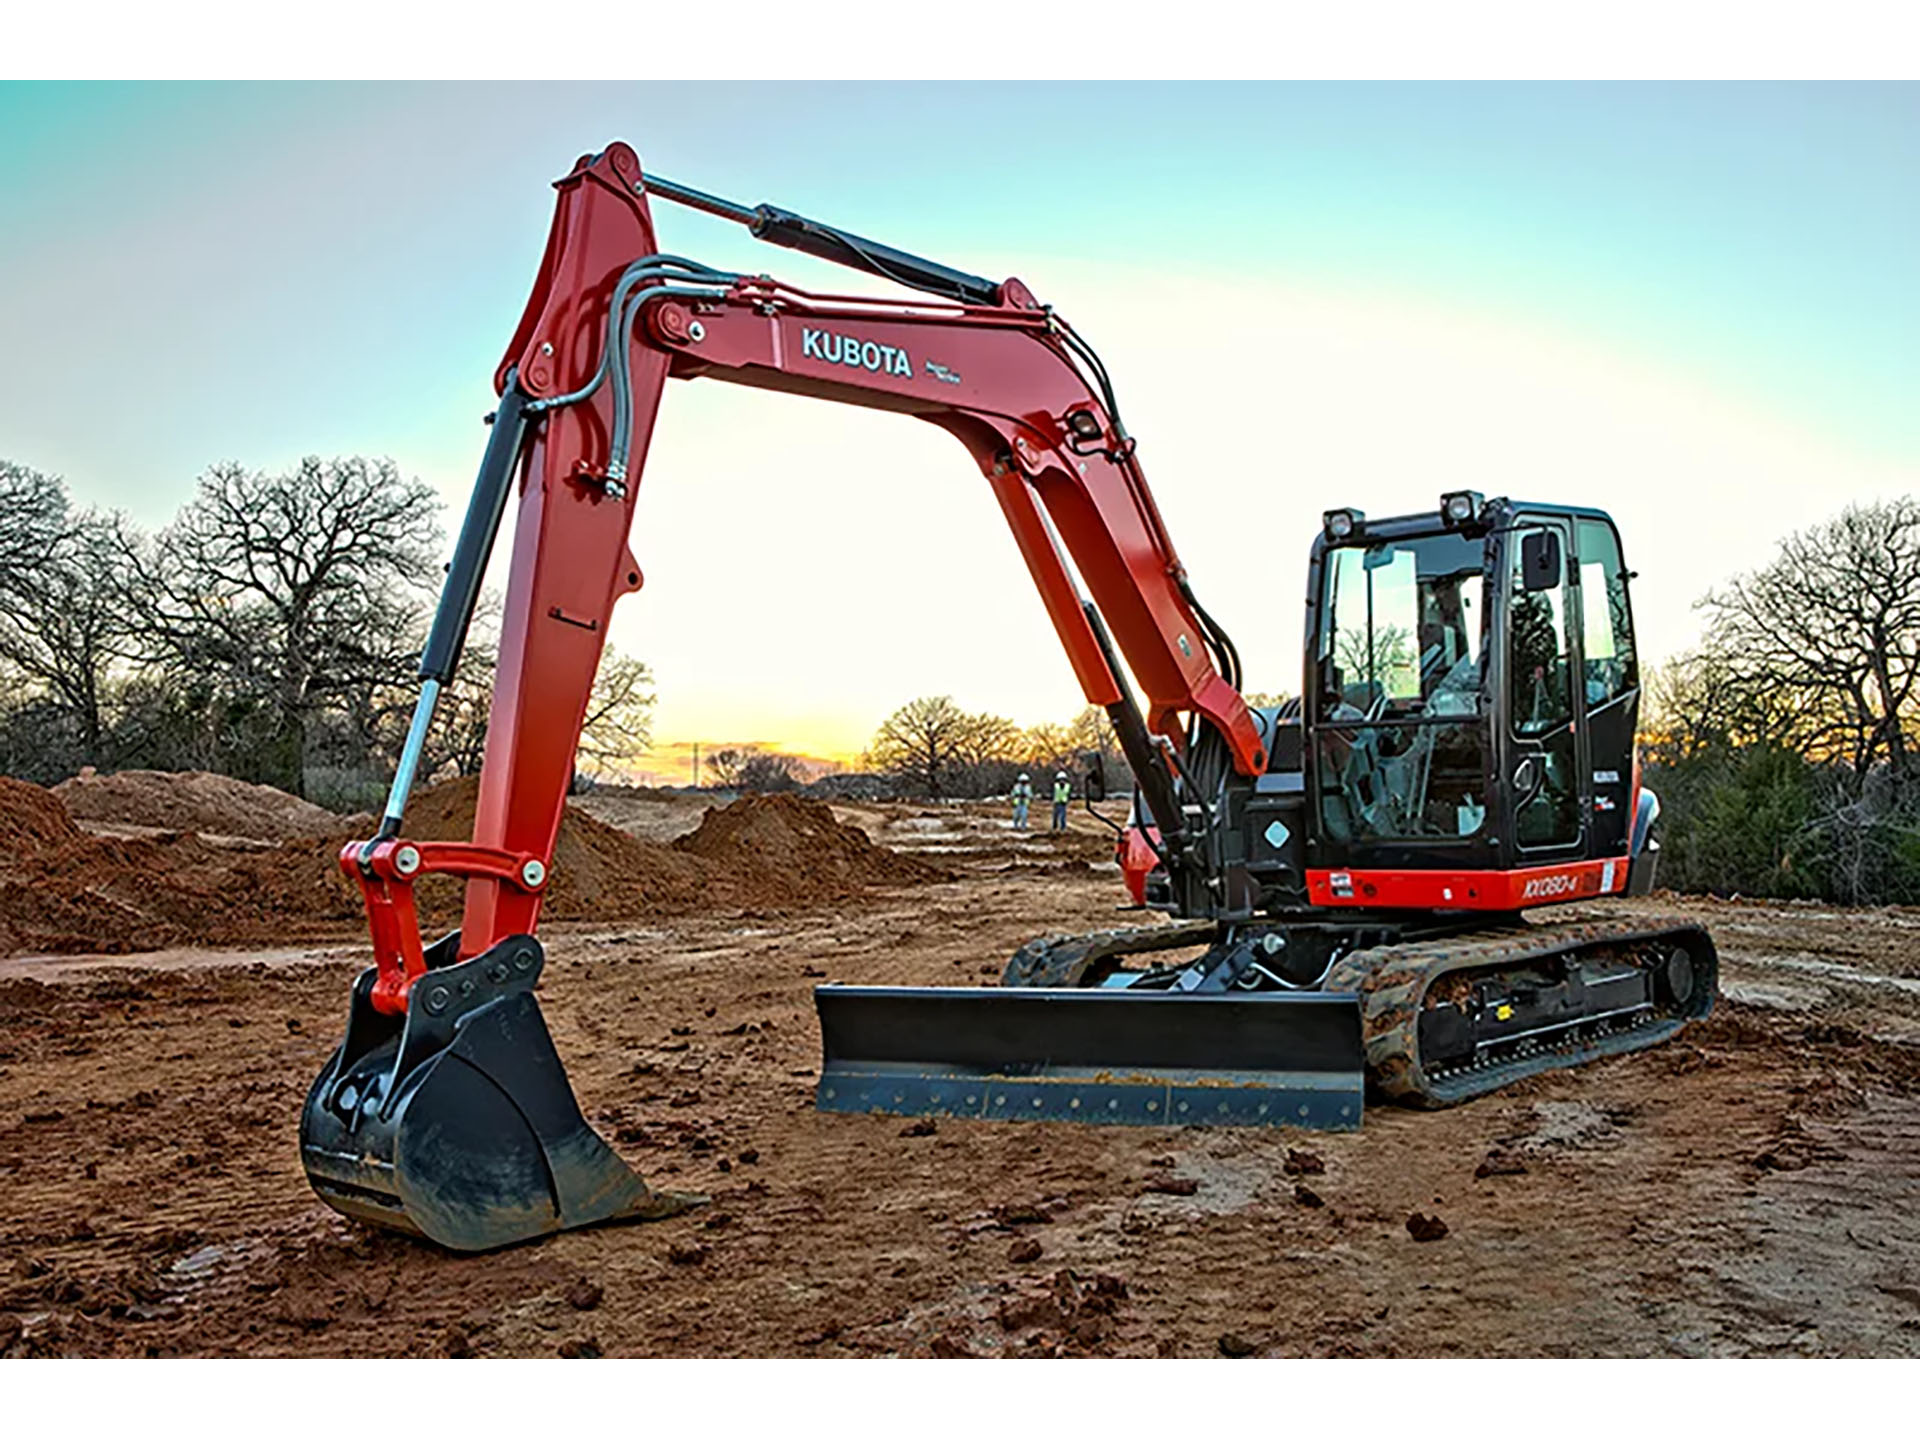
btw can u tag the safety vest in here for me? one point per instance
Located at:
(1062, 791)
(1022, 790)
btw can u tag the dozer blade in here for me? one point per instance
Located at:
(1104, 1057)
(456, 1122)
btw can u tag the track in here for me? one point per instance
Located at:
(1481, 975)
(1448, 1019)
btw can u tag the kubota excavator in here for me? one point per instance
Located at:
(1345, 874)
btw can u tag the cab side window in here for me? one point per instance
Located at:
(1606, 619)
(1538, 649)
(1540, 687)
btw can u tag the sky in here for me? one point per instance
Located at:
(1694, 305)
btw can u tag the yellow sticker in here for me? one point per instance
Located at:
(1503, 1012)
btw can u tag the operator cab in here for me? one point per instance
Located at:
(1470, 693)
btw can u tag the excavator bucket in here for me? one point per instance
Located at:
(1105, 1057)
(455, 1121)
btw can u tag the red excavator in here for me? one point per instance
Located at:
(1345, 875)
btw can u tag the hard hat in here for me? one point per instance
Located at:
(1023, 774)
(1059, 774)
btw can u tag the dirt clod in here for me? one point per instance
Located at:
(1426, 1227)
(1021, 1215)
(585, 1294)
(1173, 1185)
(1303, 1162)
(1024, 1250)
(918, 1129)
(1023, 1311)
(1499, 1162)
(687, 1252)
(1309, 1198)
(587, 1348)
(1236, 1346)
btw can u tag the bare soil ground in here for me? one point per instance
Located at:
(1747, 1189)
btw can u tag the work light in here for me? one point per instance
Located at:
(1459, 507)
(1342, 524)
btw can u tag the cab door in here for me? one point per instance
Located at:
(1539, 710)
(1610, 680)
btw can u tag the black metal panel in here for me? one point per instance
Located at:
(1112, 1057)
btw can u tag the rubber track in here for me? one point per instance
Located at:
(1062, 962)
(1392, 982)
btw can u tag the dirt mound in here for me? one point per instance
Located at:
(31, 821)
(194, 800)
(107, 894)
(65, 891)
(797, 842)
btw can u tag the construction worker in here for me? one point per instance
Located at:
(1062, 793)
(1022, 797)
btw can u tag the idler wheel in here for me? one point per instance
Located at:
(1673, 978)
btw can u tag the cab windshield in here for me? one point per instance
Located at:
(1400, 632)
(1400, 750)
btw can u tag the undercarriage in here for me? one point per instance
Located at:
(1450, 1008)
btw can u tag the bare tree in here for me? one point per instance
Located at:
(1695, 703)
(990, 739)
(291, 592)
(725, 765)
(62, 629)
(1825, 640)
(33, 517)
(923, 742)
(1048, 747)
(769, 773)
(1374, 655)
(618, 728)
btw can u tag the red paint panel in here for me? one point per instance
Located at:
(1467, 889)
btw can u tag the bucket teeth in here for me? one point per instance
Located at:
(456, 1122)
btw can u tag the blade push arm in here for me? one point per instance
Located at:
(611, 319)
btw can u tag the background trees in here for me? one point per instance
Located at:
(618, 728)
(752, 770)
(924, 744)
(1780, 747)
(932, 747)
(284, 596)
(1822, 646)
(272, 631)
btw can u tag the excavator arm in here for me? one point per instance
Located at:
(609, 322)
(446, 1066)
